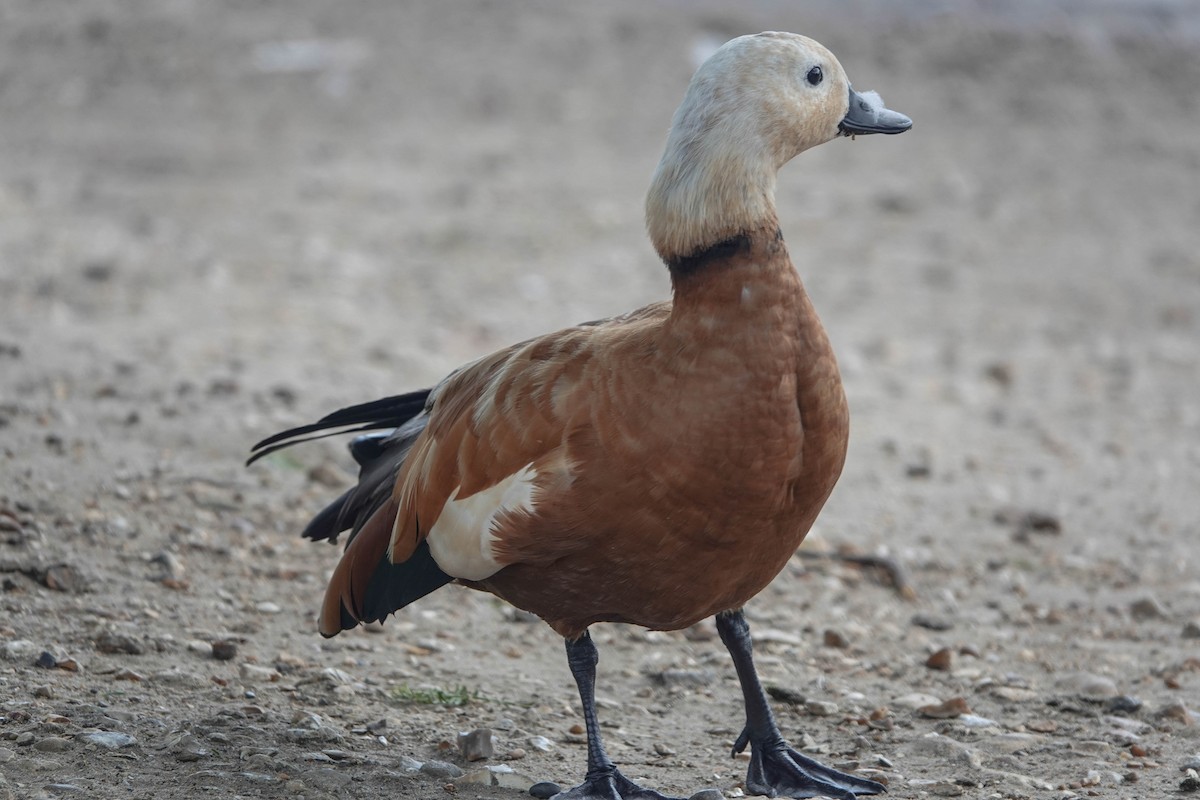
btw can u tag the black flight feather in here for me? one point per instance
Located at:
(389, 412)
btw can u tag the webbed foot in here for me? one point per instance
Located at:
(610, 786)
(777, 770)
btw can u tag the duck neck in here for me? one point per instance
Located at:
(706, 193)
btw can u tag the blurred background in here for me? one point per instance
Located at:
(219, 218)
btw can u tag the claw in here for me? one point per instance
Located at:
(781, 771)
(740, 744)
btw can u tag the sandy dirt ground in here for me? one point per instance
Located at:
(219, 219)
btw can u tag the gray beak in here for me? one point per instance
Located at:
(869, 116)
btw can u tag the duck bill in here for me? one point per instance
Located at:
(867, 115)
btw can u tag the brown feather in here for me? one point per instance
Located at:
(347, 587)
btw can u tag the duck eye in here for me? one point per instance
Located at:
(814, 76)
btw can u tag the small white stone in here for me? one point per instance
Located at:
(540, 743)
(254, 674)
(821, 708)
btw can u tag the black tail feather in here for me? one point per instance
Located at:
(379, 456)
(389, 412)
(327, 524)
(394, 586)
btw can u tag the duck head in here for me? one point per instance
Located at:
(755, 104)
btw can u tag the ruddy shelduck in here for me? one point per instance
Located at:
(655, 468)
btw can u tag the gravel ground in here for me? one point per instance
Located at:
(219, 219)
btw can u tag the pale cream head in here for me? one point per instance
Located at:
(751, 107)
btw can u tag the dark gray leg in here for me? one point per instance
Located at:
(776, 769)
(603, 781)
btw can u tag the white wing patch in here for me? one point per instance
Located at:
(461, 540)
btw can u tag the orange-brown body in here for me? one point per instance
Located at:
(707, 454)
(681, 452)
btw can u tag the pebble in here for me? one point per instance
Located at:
(43, 692)
(975, 721)
(663, 749)
(65, 578)
(821, 708)
(785, 695)
(540, 743)
(954, 707)
(1086, 686)
(6, 755)
(267, 607)
(224, 650)
(833, 639)
(408, 764)
(1148, 607)
(46, 660)
(1126, 724)
(254, 674)
(477, 745)
(172, 567)
(499, 775)
(128, 675)
(109, 740)
(544, 790)
(1014, 694)
(1191, 629)
(1123, 704)
(932, 622)
(333, 676)
(1042, 725)
(321, 733)
(187, 749)
(442, 770)
(1191, 763)
(1176, 711)
(199, 647)
(915, 701)
(18, 650)
(1190, 782)
(52, 744)
(940, 660)
(114, 643)
(63, 788)
(708, 794)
